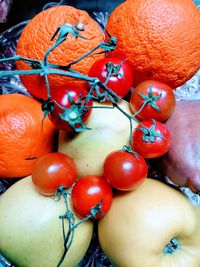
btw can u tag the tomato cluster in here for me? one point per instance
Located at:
(55, 170)
(151, 102)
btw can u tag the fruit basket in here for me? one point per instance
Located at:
(99, 10)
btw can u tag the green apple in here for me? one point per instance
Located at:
(31, 230)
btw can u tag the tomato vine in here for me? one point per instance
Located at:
(69, 216)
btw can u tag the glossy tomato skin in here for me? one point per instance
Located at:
(53, 170)
(62, 98)
(125, 171)
(151, 147)
(166, 103)
(88, 192)
(119, 83)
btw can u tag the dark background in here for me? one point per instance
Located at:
(21, 10)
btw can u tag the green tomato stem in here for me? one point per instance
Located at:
(72, 225)
(19, 72)
(82, 57)
(71, 221)
(142, 107)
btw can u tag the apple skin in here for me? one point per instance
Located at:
(110, 131)
(141, 223)
(31, 231)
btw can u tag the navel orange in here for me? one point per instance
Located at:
(23, 138)
(35, 40)
(160, 39)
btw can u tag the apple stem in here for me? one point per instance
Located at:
(172, 246)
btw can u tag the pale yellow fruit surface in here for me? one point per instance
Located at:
(110, 131)
(31, 230)
(141, 223)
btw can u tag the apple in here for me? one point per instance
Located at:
(152, 226)
(110, 130)
(31, 230)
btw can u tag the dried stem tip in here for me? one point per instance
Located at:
(80, 26)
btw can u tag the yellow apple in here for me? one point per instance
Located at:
(110, 130)
(153, 226)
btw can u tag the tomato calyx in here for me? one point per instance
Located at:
(150, 99)
(61, 191)
(172, 246)
(113, 70)
(73, 114)
(151, 139)
(96, 210)
(150, 134)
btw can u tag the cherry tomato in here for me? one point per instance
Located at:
(151, 139)
(65, 109)
(121, 75)
(53, 170)
(88, 192)
(124, 170)
(159, 98)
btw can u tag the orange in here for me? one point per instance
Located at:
(36, 39)
(160, 39)
(22, 136)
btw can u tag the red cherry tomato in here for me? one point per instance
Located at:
(53, 170)
(159, 98)
(121, 78)
(63, 107)
(125, 171)
(151, 139)
(88, 192)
